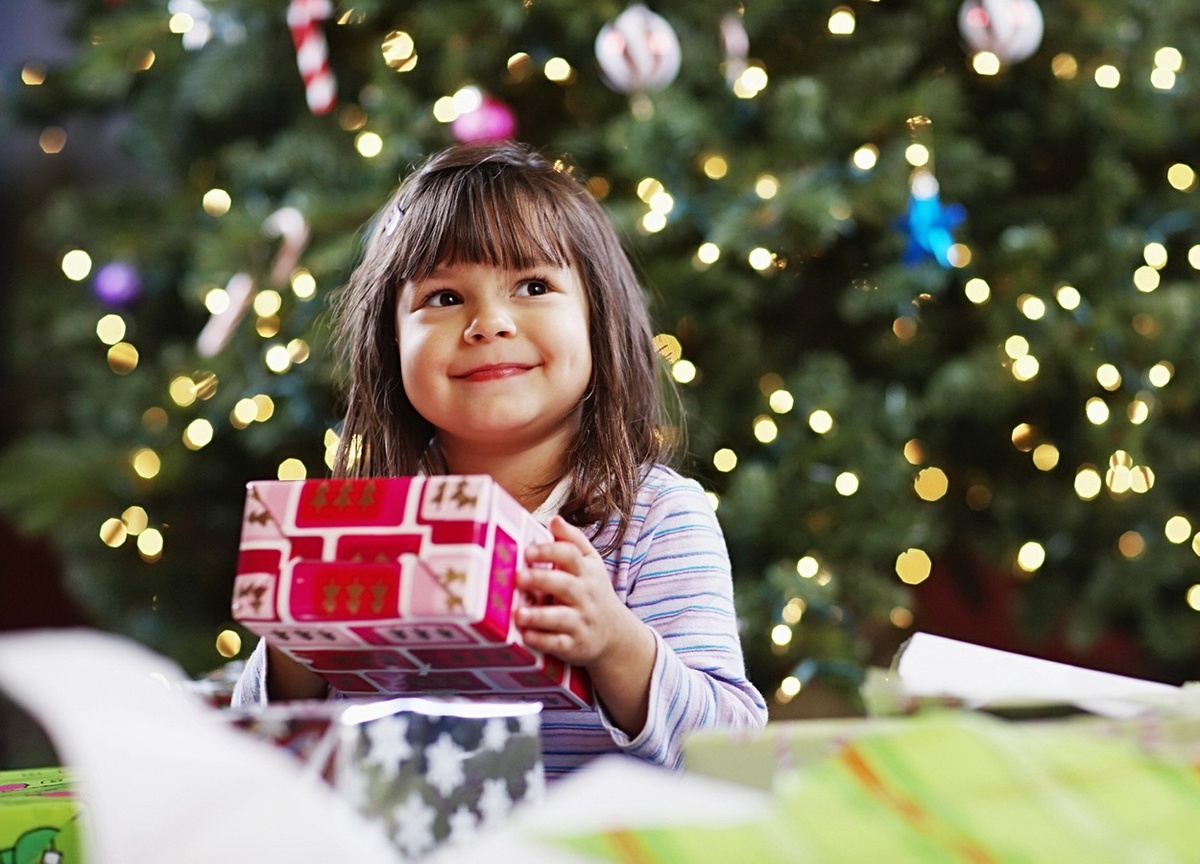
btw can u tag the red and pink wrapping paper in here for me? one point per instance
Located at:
(401, 585)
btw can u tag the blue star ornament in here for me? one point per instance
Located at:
(929, 224)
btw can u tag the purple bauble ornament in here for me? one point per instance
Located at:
(117, 284)
(491, 121)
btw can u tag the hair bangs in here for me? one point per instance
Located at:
(486, 217)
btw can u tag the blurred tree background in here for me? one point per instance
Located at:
(926, 272)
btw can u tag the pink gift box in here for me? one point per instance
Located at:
(400, 585)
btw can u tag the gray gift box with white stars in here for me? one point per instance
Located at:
(433, 771)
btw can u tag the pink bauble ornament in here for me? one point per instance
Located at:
(492, 120)
(638, 51)
(1010, 29)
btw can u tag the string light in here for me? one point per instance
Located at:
(725, 460)
(558, 70)
(52, 140)
(216, 202)
(150, 545)
(977, 290)
(1068, 297)
(684, 371)
(1064, 66)
(229, 643)
(807, 567)
(1182, 178)
(399, 51)
(291, 469)
(1108, 76)
(865, 157)
(1087, 483)
(122, 358)
(781, 402)
(842, 21)
(820, 421)
(708, 253)
(985, 63)
(765, 429)
(304, 286)
(846, 483)
(914, 452)
(76, 265)
(913, 566)
(368, 144)
(1031, 556)
(1045, 457)
(1178, 529)
(751, 82)
(110, 329)
(931, 484)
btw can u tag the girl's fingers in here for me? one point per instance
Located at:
(546, 619)
(563, 586)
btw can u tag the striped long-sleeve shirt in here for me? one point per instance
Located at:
(672, 569)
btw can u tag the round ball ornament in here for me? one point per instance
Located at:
(491, 120)
(117, 283)
(638, 51)
(1010, 29)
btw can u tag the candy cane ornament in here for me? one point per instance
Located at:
(312, 52)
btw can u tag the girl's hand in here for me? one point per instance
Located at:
(583, 622)
(581, 616)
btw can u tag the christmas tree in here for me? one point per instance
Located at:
(924, 272)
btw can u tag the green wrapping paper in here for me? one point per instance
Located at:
(953, 787)
(39, 818)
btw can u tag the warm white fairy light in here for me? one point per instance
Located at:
(725, 460)
(1109, 376)
(368, 144)
(1045, 457)
(291, 469)
(76, 265)
(304, 286)
(765, 429)
(1064, 66)
(760, 258)
(216, 202)
(267, 302)
(977, 291)
(1031, 556)
(781, 634)
(865, 157)
(985, 63)
(842, 21)
(931, 484)
(1026, 368)
(708, 253)
(1068, 297)
(113, 533)
(1108, 76)
(1160, 374)
(558, 70)
(1088, 483)
(1146, 279)
(781, 401)
(715, 167)
(444, 110)
(807, 567)
(917, 155)
(1182, 177)
(766, 186)
(150, 545)
(846, 483)
(122, 358)
(277, 359)
(399, 51)
(751, 82)
(1031, 306)
(110, 329)
(197, 434)
(1178, 529)
(1096, 410)
(913, 566)
(1016, 346)
(820, 421)
(683, 371)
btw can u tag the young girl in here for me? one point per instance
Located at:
(495, 326)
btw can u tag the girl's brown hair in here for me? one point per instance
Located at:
(503, 205)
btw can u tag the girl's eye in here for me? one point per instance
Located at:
(533, 288)
(443, 298)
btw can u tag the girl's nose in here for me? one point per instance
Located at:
(490, 322)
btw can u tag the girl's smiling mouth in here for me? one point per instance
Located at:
(493, 371)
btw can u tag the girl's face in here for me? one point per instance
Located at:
(497, 360)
